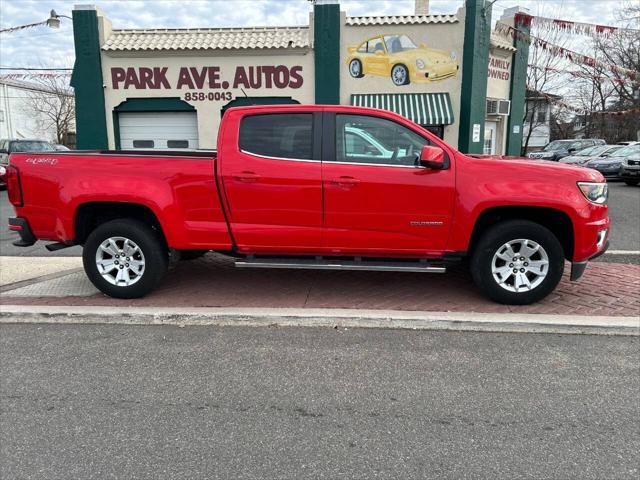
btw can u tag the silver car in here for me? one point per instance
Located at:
(591, 153)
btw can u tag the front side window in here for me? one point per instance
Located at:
(373, 140)
(278, 135)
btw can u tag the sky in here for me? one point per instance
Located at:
(45, 47)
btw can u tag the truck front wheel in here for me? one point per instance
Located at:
(517, 262)
(125, 258)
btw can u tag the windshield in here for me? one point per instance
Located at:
(558, 145)
(591, 151)
(626, 151)
(31, 146)
(398, 43)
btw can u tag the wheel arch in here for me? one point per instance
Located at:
(90, 215)
(557, 221)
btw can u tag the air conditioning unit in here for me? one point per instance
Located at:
(498, 107)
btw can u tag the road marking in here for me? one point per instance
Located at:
(622, 252)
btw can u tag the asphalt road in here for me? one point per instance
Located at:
(100, 402)
(624, 202)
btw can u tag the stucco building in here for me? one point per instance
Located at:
(168, 88)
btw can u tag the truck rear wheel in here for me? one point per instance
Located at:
(517, 262)
(125, 258)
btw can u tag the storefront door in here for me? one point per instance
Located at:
(490, 130)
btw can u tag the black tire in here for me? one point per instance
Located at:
(192, 254)
(358, 63)
(151, 244)
(494, 239)
(632, 183)
(405, 78)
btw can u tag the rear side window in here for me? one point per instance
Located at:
(279, 135)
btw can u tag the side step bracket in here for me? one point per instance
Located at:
(328, 263)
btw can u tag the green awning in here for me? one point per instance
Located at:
(422, 108)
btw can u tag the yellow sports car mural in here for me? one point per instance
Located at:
(398, 57)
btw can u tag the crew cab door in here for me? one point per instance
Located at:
(385, 202)
(271, 173)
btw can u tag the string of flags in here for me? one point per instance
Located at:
(23, 27)
(558, 51)
(577, 74)
(578, 28)
(32, 76)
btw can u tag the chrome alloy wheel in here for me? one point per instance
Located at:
(399, 74)
(120, 261)
(354, 68)
(520, 265)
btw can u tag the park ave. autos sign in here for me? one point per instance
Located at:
(211, 78)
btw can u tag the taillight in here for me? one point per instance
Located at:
(13, 186)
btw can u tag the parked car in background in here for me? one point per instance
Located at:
(8, 146)
(628, 142)
(563, 148)
(590, 153)
(630, 169)
(610, 165)
(61, 148)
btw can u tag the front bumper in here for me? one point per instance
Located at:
(578, 268)
(629, 172)
(20, 225)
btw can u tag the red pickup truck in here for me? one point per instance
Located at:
(319, 187)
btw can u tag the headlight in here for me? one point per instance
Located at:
(595, 192)
(420, 64)
(453, 55)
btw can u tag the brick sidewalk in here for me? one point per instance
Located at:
(606, 289)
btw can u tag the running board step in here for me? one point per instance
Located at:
(322, 263)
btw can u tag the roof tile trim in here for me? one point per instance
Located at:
(401, 20)
(208, 38)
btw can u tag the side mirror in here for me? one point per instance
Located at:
(571, 150)
(432, 157)
(3, 151)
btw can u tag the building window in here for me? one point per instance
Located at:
(437, 130)
(541, 114)
(278, 135)
(177, 143)
(143, 144)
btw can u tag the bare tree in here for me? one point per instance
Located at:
(544, 76)
(51, 102)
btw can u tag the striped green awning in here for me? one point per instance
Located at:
(422, 108)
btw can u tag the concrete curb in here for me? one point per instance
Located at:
(333, 318)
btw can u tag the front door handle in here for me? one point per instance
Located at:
(246, 176)
(345, 181)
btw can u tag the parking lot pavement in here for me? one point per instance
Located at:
(213, 281)
(95, 402)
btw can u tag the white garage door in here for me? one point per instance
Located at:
(158, 130)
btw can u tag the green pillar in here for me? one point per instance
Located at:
(91, 122)
(518, 87)
(475, 65)
(326, 40)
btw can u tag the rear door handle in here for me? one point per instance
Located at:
(246, 176)
(344, 181)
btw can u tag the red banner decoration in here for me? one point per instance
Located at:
(576, 74)
(577, 28)
(574, 57)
